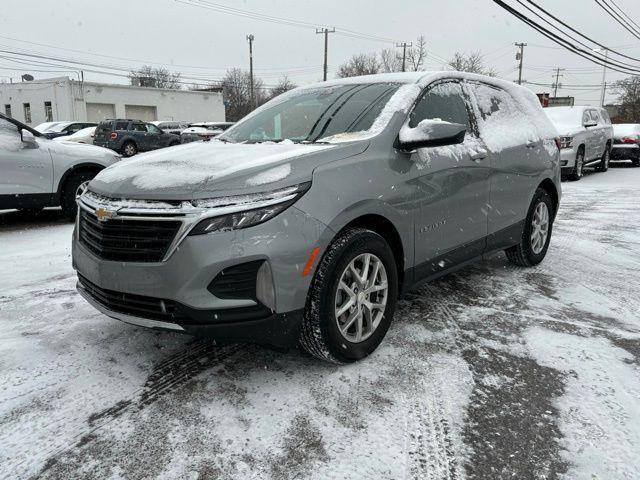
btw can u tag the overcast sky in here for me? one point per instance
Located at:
(204, 43)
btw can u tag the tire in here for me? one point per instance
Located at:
(129, 149)
(604, 161)
(525, 254)
(578, 169)
(321, 335)
(70, 190)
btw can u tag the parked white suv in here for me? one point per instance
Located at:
(586, 137)
(38, 172)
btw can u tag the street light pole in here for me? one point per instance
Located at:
(252, 95)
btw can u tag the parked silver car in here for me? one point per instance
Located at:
(171, 126)
(38, 172)
(586, 137)
(306, 220)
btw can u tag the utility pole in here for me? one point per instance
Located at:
(326, 33)
(404, 46)
(520, 57)
(604, 77)
(250, 37)
(557, 85)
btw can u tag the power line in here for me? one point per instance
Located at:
(625, 14)
(616, 16)
(565, 43)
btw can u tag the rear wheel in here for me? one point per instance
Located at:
(352, 298)
(129, 149)
(578, 169)
(604, 161)
(536, 234)
(73, 187)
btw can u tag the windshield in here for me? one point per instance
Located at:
(313, 114)
(564, 115)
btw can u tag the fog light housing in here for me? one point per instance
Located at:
(265, 290)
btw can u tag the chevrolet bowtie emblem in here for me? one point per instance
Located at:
(103, 214)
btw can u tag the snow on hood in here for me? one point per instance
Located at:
(202, 167)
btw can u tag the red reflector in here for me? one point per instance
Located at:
(113, 135)
(312, 258)
(558, 142)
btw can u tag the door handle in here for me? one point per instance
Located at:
(479, 156)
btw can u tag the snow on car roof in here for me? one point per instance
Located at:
(624, 129)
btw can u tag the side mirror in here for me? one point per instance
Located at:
(28, 139)
(431, 133)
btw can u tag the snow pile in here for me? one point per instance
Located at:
(9, 136)
(272, 175)
(199, 163)
(599, 412)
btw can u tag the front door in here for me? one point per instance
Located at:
(453, 186)
(27, 168)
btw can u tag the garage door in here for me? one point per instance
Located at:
(140, 112)
(96, 112)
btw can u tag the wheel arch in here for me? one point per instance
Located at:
(81, 167)
(548, 186)
(387, 230)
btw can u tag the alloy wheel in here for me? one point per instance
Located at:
(361, 297)
(539, 228)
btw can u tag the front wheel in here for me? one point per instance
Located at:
(73, 188)
(604, 161)
(578, 169)
(352, 298)
(536, 234)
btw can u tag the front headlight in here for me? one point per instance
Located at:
(243, 211)
(566, 142)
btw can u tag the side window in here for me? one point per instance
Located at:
(73, 128)
(595, 117)
(151, 128)
(444, 101)
(138, 127)
(121, 126)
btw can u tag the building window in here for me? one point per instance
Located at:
(48, 112)
(27, 112)
(7, 110)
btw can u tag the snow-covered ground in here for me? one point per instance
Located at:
(494, 372)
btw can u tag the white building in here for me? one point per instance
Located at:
(64, 99)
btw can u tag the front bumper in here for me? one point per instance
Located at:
(568, 158)
(285, 242)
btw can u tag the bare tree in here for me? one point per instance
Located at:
(417, 54)
(148, 76)
(283, 85)
(390, 61)
(628, 91)
(361, 64)
(236, 91)
(472, 63)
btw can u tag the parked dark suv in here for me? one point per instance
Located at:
(132, 136)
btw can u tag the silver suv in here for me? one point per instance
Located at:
(37, 172)
(586, 136)
(305, 221)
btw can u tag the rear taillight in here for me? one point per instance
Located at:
(629, 140)
(558, 142)
(113, 135)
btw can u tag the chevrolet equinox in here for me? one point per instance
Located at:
(305, 221)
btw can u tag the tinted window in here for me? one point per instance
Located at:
(151, 128)
(443, 101)
(138, 127)
(121, 125)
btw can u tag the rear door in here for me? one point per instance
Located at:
(453, 185)
(591, 141)
(514, 146)
(138, 131)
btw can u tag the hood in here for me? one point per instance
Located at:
(568, 130)
(213, 169)
(82, 151)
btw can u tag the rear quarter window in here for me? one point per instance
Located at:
(121, 125)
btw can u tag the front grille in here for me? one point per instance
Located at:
(131, 304)
(127, 240)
